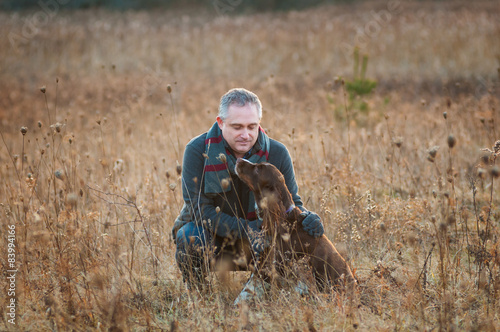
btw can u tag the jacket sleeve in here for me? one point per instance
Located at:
(198, 207)
(286, 168)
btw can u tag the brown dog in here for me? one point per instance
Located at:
(282, 223)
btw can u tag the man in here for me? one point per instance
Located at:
(218, 223)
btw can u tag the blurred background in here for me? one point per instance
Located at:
(389, 109)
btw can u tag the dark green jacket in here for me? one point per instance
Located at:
(231, 219)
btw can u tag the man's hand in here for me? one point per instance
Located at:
(312, 224)
(258, 240)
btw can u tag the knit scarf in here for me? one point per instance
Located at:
(220, 162)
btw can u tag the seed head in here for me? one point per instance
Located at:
(285, 237)
(43, 89)
(217, 209)
(172, 186)
(451, 141)
(495, 171)
(445, 115)
(59, 174)
(222, 157)
(24, 130)
(433, 151)
(39, 124)
(485, 158)
(224, 183)
(496, 147)
(481, 173)
(398, 141)
(169, 88)
(57, 127)
(178, 169)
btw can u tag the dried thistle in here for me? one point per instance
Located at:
(224, 183)
(178, 168)
(57, 127)
(43, 89)
(485, 158)
(24, 130)
(495, 171)
(496, 147)
(495, 151)
(433, 151)
(222, 158)
(451, 141)
(59, 174)
(398, 141)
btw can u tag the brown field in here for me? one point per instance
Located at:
(92, 187)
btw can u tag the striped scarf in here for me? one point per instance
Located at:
(220, 162)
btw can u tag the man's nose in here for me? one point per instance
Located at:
(244, 134)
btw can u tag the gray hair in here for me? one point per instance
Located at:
(241, 97)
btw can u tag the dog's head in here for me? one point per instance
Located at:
(268, 185)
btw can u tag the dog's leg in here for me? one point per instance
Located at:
(329, 266)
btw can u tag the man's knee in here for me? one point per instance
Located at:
(190, 240)
(189, 235)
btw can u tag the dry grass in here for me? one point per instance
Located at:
(94, 189)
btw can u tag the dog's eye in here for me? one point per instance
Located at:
(268, 187)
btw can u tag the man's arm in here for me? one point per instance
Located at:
(311, 221)
(280, 157)
(202, 207)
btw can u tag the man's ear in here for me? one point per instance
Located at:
(220, 122)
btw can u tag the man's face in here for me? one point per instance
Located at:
(241, 128)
